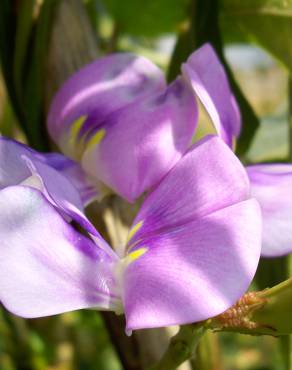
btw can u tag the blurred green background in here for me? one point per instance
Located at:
(42, 42)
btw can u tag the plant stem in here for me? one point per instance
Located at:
(181, 347)
(286, 341)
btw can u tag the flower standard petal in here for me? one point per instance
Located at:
(46, 266)
(200, 247)
(206, 75)
(101, 88)
(271, 185)
(142, 142)
(122, 102)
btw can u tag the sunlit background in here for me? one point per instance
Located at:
(79, 340)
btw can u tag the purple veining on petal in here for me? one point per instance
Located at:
(202, 219)
(214, 167)
(207, 273)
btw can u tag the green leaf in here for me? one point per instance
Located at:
(271, 271)
(147, 18)
(183, 48)
(266, 22)
(275, 314)
(34, 94)
(285, 350)
(7, 42)
(23, 55)
(208, 356)
(23, 32)
(7, 119)
(270, 7)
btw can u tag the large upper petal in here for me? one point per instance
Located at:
(206, 75)
(195, 243)
(207, 178)
(271, 185)
(101, 88)
(46, 267)
(143, 141)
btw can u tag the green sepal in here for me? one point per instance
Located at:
(267, 312)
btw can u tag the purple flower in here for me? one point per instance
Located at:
(191, 253)
(207, 77)
(127, 128)
(271, 185)
(61, 180)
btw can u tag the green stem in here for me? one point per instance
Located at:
(286, 341)
(181, 347)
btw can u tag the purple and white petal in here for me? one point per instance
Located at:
(46, 267)
(208, 177)
(59, 192)
(65, 197)
(195, 243)
(12, 168)
(18, 164)
(88, 190)
(101, 88)
(59, 174)
(139, 144)
(194, 271)
(205, 74)
(271, 185)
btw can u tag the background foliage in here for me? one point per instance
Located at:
(34, 62)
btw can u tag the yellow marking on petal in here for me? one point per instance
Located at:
(69, 143)
(96, 139)
(76, 126)
(122, 265)
(133, 230)
(133, 256)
